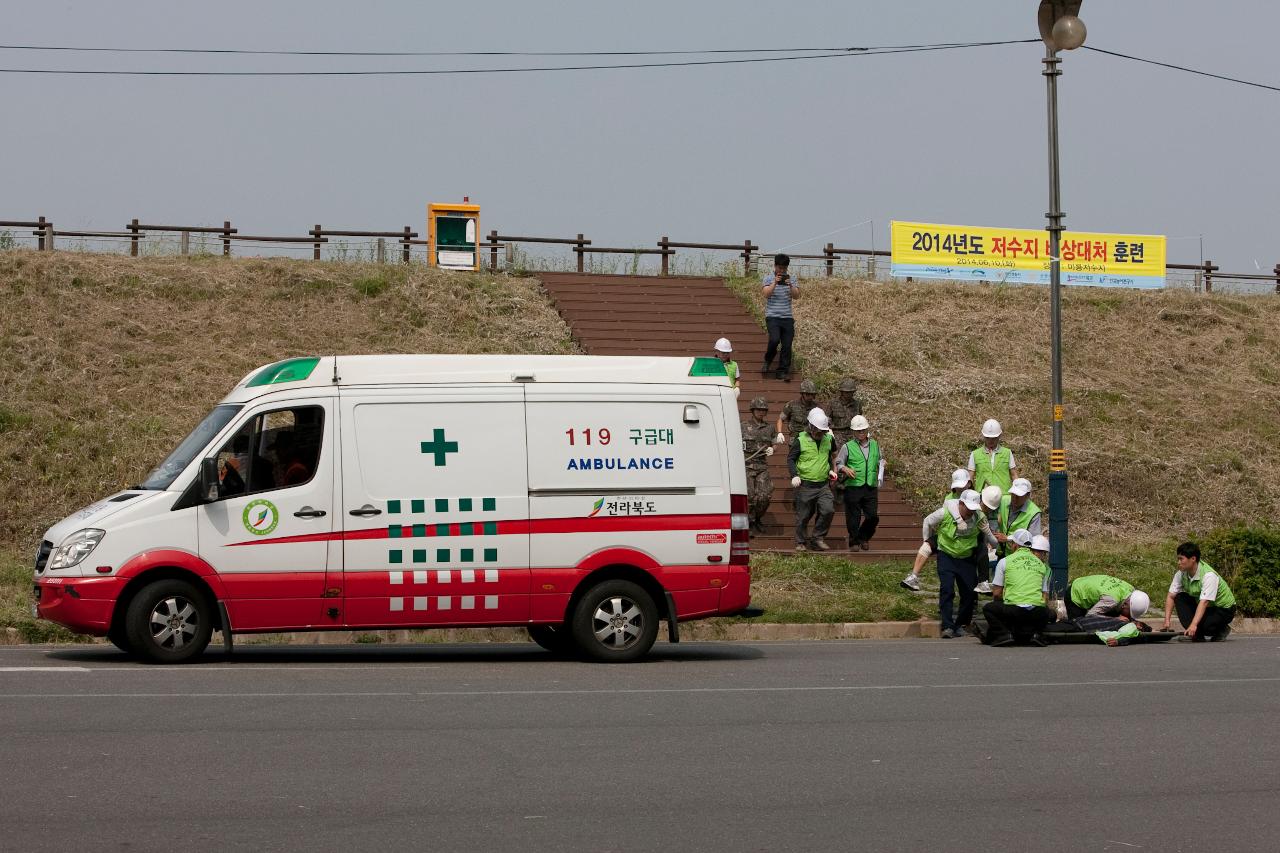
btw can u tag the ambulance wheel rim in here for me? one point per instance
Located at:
(174, 622)
(618, 622)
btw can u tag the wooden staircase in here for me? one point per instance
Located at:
(683, 316)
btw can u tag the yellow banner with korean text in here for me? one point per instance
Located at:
(977, 253)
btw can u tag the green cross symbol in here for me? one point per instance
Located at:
(439, 447)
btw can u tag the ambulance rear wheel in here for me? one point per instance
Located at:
(556, 639)
(615, 621)
(168, 621)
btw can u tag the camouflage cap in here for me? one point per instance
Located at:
(847, 384)
(759, 403)
(807, 387)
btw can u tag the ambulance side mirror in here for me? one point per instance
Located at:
(209, 480)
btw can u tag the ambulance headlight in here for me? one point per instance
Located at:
(75, 548)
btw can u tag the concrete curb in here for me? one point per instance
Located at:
(702, 631)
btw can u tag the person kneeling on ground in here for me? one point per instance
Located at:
(1204, 602)
(1018, 612)
(1103, 595)
(959, 482)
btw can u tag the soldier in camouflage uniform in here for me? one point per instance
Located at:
(795, 415)
(757, 446)
(843, 410)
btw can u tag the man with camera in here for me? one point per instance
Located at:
(780, 290)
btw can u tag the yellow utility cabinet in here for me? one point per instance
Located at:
(452, 233)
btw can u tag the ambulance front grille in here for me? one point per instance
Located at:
(42, 555)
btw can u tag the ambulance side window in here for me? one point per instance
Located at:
(273, 450)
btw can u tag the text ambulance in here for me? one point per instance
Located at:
(586, 498)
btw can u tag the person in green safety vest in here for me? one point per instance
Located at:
(962, 533)
(1018, 511)
(861, 465)
(1103, 595)
(724, 351)
(959, 483)
(1019, 611)
(987, 558)
(1204, 603)
(992, 463)
(809, 461)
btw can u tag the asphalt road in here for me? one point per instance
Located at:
(865, 745)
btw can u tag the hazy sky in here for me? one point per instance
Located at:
(776, 152)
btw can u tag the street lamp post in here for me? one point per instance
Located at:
(1061, 29)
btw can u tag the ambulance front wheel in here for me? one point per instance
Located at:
(169, 621)
(615, 621)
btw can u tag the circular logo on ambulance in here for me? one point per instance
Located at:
(260, 517)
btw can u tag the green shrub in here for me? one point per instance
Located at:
(1249, 559)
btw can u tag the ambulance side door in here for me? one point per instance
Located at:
(435, 506)
(270, 533)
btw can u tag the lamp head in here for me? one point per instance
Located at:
(1060, 24)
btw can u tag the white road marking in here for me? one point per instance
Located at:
(45, 669)
(649, 690)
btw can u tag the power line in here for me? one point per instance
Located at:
(1184, 68)
(420, 72)
(242, 52)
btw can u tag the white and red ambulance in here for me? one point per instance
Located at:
(586, 498)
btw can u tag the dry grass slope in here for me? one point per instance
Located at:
(109, 361)
(1171, 397)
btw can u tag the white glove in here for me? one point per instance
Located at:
(795, 482)
(781, 439)
(768, 451)
(737, 391)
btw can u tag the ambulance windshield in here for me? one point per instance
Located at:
(164, 475)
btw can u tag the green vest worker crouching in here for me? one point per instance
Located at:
(1204, 602)
(809, 462)
(1103, 595)
(1021, 588)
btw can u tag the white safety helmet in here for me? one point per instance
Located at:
(991, 496)
(723, 345)
(959, 478)
(970, 499)
(1021, 486)
(1139, 601)
(1040, 543)
(859, 422)
(991, 428)
(818, 419)
(1022, 537)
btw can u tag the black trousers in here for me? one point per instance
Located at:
(1009, 619)
(1215, 618)
(955, 572)
(861, 512)
(1074, 611)
(782, 331)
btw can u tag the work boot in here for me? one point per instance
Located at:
(1221, 635)
(765, 370)
(821, 545)
(947, 634)
(800, 546)
(866, 546)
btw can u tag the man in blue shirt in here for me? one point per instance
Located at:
(780, 291)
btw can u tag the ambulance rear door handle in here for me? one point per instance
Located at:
(366, 511)
(308, 512)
